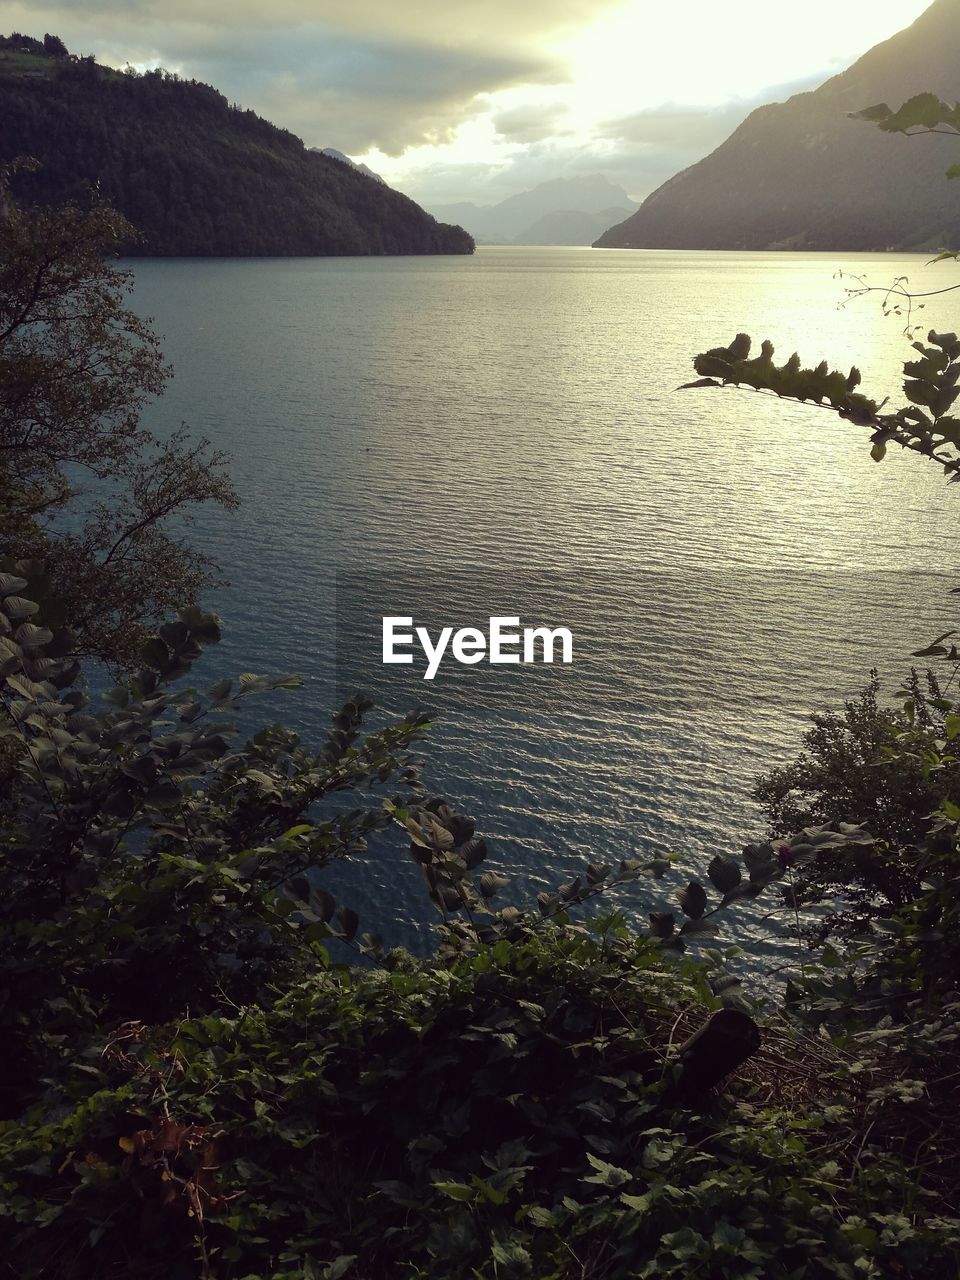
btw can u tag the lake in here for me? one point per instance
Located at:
(451, 438)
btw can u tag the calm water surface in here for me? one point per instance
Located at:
(454, 437)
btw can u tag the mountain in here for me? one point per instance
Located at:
(194, 174)
(334, 154)
(803, 175)
(520, 219)
(568, 227)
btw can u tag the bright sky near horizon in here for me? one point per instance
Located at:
(454, 99)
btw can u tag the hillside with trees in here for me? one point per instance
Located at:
(803, 175)
(193, 173)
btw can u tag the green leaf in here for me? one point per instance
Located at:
(541, 1217)
(339, 1267)
(348, 922)
(724, 873)
(456, 1190)
(324, 902)
(10, 584)
(17, 609)
(155, 654)
(607, 1175)
(661, 924)
(640, 1204)
(491, 882)
(699, 926)
(693, 900)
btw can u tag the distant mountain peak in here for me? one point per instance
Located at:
(334, 154)
(566, 211)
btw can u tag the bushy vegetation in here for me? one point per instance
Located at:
(195, 1086)
(84, 486)
(211, 1070)
(194, 174)
(854, 768)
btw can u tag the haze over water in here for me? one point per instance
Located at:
(451, 437)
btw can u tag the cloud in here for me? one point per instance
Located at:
(357, 95)
(358, 75)
(639, 151)
(532, 122)
(454, 23)
(458, 100)
(678, 127)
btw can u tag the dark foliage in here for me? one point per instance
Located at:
(508, 1114)
(194, 174)
(194, 1089)
(853, 768)
(147, 868)
(83, 485)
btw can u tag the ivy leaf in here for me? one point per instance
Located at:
(640, 1204)
(339, 1267)
(607, 1175)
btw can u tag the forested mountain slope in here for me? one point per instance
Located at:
(194, 174)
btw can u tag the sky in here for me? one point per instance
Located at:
(454, 100)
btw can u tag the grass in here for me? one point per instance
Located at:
(19, 62)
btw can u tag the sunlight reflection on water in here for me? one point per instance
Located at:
(472, 428)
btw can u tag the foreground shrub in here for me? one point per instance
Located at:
(146, 869)
(517, 1111)
(193, 1089)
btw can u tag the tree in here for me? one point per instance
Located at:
(191, 1082)
(84, 487)
(853, 768)
(54, 47)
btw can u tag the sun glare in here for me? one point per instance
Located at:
(700, 53)
(644, 55)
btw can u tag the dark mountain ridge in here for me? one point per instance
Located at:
(194, 174)
(803, 175)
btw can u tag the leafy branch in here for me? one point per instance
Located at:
(923, 113)
(925, 426)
